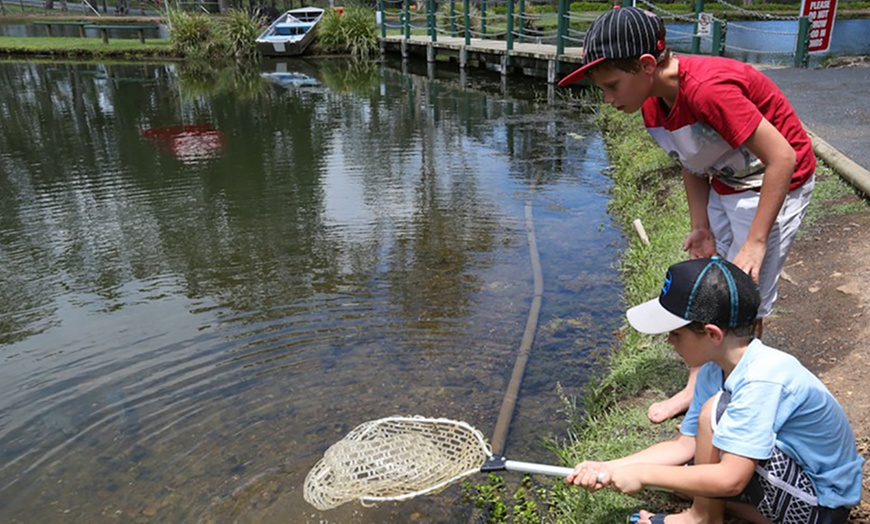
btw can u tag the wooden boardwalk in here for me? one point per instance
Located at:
(537, 60)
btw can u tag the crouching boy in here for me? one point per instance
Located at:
(768, 441)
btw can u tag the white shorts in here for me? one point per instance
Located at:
(730, 218)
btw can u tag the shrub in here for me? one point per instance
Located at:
(442, 17)
(194, 35)
(353, 32)
(239, 30)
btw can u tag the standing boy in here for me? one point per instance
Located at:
(747, 162)
(768, 440)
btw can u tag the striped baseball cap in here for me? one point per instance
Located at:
(705, 290)
(626, 32)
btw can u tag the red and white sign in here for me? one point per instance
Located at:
(821, 14)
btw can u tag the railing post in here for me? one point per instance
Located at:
(696, 40)
(407, 20)
(467, 22)
(802, 45)
(719, 29)
(522, 18)
(483, 19)
(433, 29)
(510, 25)
(453, 18)
(562, 32)
(381, 21)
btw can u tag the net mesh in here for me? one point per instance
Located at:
(395, 458)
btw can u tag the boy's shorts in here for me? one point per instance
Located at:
(731, 216)
(780, 489)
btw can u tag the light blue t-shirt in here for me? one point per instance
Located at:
(776, 402)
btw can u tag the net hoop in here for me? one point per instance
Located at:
(394, 459)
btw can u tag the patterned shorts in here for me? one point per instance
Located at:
(781, 490)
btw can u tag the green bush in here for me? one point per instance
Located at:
(579, 7)
(353, 32)
(200, 37)
(239, 30)
(442, 17)
(195, 35)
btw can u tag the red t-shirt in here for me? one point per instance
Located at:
(719, 104)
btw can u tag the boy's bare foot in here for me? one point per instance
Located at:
(686, 517)
(670, 408)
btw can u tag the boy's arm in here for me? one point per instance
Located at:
(699, 243)
(779, 158)
(726, 478)
(677, 451)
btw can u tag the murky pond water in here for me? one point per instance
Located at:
(207, 280)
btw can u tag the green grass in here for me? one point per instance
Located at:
(72, 47)
(831, 196)
(610, 420)
(642, 369)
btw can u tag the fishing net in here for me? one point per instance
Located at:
(395, 458)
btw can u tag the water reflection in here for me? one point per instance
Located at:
(204, 288)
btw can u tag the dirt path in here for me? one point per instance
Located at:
(823, 318)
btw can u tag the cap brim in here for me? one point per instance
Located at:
(578, 74)
(651, 318)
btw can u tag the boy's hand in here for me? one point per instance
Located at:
(700, 243)
(589, 475)
(626, 479)
(750, 257)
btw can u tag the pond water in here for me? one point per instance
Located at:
(210, 277)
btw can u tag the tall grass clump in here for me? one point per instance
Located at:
(239, 30)
(197, 36)
(442, 18)
(353, 32)
(194, 35)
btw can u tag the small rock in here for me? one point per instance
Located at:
(849, 289)
(149, 512)
(814, 289)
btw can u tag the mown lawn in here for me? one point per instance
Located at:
(78, 47)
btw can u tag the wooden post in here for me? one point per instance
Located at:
(510, 25)
(407, 22)
(467, 23)
(562, 31)
(719, 29)
(696, 40)
(483, 19)
(801, 53)
(105, 34)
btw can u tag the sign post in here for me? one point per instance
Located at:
(821, 14)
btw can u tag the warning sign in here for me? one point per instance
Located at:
(821, 14)
(705, 24)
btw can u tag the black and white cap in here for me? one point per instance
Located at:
(705, 290)
(622, 32)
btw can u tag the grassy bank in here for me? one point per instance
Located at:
(69, 47)
(643, 369)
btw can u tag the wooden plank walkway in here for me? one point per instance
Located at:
(525, 58)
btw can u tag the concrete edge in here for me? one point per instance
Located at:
(843, 165)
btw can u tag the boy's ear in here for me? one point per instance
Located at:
(716, 334)
(648, 63)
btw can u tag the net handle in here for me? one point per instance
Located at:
(538, 469)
